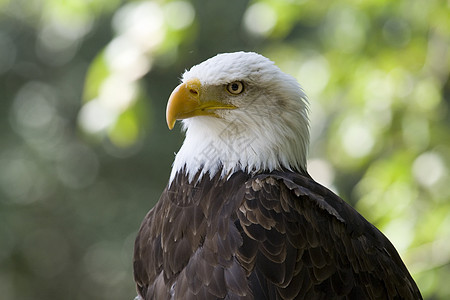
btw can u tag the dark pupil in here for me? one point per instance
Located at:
(235, 87)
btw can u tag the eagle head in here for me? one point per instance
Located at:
(240, 112)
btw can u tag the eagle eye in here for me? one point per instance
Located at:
(235, 87)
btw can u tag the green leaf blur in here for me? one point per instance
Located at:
(85, 150)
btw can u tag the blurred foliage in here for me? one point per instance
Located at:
(85, 151)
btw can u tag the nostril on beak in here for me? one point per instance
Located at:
(193, 92)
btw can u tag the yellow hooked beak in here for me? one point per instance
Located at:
(187, 101)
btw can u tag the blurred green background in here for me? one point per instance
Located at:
(85, 151)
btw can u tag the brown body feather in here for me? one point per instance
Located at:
(278, 235)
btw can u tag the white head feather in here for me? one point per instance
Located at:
(269, 130)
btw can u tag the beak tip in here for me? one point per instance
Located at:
(182, 101)
(170, 118)
(171, 122)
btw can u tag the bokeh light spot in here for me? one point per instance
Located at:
(358, 139)
(260, 19)
(314, 74)
(124, 57)
(94, 117)
(16, 178)
(179, 14)
(33, 105)
(428, 168)
(321, 171)
(345, 28)
(142, 22)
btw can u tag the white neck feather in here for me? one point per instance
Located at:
(213, 145)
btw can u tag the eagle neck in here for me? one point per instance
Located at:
(212, 147)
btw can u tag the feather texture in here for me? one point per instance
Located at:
(278, 235)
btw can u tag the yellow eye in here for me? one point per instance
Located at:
(235, 87)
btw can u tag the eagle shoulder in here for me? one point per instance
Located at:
(302, 241)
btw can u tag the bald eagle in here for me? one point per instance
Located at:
(240, 217)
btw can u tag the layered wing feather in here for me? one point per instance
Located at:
(301, 241)
(272, 236)
(186, 247)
